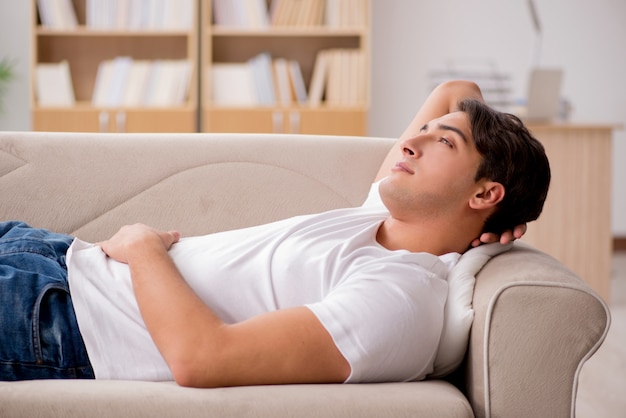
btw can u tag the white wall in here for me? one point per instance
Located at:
(15, 45)
(412, 37)
(587, 38)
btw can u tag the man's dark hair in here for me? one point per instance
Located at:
(510, 156)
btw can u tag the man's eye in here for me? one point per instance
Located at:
(445, 141)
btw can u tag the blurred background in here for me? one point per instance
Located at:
(587, 39)
(413, 41)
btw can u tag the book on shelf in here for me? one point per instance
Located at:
(124, 82)
(345, 13)
(137, 83)
(53, 84)
(241, 13)
(171, 83)
(318, 78)
(339, 78)
(57, 14)
(252, 14)
(232, 84)
(140, 14)
(297, 82)
(282, 81)
(301, 13)
(261, 81)
(118, 81)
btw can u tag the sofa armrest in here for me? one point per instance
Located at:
(535, 325)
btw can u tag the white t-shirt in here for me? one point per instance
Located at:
(384, 309)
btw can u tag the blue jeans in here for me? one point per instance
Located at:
(39, 336)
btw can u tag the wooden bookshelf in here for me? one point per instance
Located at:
(223, 43)
(85, 48)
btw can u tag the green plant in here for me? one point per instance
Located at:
(6, 76)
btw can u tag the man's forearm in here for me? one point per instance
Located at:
(178, 321)
(441, 101)
(174, 315)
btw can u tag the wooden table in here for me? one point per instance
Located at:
(575, 226)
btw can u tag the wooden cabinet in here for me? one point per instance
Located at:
(575, 226)
(323, 121)
(85, 48)
(228, 44)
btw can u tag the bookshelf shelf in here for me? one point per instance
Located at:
(87, 105)
(229, 50)
(319, 31)
(166, 49)
(72, 57)
(83, 31)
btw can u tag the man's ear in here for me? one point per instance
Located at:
(487, 196)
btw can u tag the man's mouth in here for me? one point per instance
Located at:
(402, 166)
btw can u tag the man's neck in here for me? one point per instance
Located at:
(434, 236)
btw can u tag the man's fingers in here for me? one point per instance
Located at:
(519, 230)
(488, 238)
(169, 238)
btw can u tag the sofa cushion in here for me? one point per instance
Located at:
(105, 398)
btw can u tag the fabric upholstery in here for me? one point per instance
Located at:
(541, 324)
(179, 181)
(139, 400)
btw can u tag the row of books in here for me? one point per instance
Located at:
(119, 14)
(140, 14)
(120, 82)
(124, 82)
(253, 14)
(262, 81)
(338, 79)
(57, 14)
(299, 13)
(346, 13)
(241, 13)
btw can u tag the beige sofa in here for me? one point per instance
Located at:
(535, 324)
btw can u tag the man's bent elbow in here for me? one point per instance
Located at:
(187, 375)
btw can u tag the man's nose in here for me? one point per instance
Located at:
(412, 146)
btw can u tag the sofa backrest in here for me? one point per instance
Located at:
(90, 184)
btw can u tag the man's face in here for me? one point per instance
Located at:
(436, 173)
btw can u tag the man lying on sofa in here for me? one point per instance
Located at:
(349, 295)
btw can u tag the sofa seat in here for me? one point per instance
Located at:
(150, 399)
